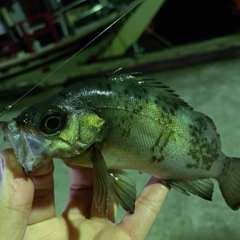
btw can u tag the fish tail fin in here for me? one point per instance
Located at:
(229, 182)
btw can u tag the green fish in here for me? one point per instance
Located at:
(126, 122)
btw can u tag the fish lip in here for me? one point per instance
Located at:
(28, 148)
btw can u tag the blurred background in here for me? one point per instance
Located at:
(192, 46)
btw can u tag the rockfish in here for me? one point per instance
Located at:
(126, 122)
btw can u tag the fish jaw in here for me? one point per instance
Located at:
(28, 148)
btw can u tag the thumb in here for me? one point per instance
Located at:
(16, 196)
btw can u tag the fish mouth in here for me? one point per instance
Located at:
(28, 148)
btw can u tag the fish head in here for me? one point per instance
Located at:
(45, 131)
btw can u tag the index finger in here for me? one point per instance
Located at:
(147, 208)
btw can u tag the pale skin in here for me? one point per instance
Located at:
(27, 207)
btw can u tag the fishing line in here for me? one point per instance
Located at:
(6, 109)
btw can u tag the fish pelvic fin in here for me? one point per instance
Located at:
(115, 184)
(229, 182)
(201, 187)
(123, 189)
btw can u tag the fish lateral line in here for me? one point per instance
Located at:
(7, 108)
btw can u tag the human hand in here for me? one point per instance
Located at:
(27, 206)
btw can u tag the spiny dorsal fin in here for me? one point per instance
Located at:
(155, 87)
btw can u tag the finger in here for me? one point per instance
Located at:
(81, 192)
(16, 196)
(43, 206)
(148, 206)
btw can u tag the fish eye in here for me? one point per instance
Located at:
(51, 122)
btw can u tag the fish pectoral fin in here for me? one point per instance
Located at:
(102, 190)
(123, 189)
(202, 187)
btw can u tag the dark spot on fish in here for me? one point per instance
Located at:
(164, 108)
(126, 132)
(109, 87)
(204, 145)
(194, 153)
(144, 90)
(166, 141)
(172, 111)
(194, 132)
(155, 159)
(194, 142)
(100, 84)
(162, 115)
(156, 144)
(192, 165)
(226, 166)
(169, 120)
(196, 129)
(152, 149)
(161, 158)
(62, 94)
(137, 96)
(203, 152)
(176, 106)
(208, 151)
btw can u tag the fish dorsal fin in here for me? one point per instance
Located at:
(210, 122)
(150, 87)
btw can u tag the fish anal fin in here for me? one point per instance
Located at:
(201, 187)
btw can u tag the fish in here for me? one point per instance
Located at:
(126, 121)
